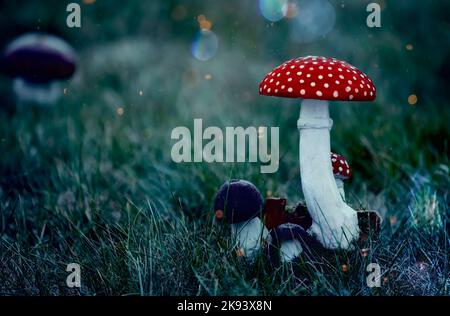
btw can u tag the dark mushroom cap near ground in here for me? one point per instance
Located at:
(288, 232)
(239, 200)
(38, 58)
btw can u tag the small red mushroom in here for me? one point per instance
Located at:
(341, 171)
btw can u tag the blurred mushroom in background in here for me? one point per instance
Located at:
(37, 63)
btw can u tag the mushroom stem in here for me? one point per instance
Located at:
(39, 93)
(249, 235)
(340, 185)
(289, 250)
(335, 224)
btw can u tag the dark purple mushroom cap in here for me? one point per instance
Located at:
(39, 58)
(239, 200)
(289, 231)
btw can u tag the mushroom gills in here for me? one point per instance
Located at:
(289, 250)
(249, 235)
(335, 224)
(38, 93)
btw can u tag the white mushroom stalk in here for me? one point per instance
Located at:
(39, 93)
(289, 250)
(287, 242)
(335, 224)
(249, 236)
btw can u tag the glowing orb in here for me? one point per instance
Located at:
(315, 18)
(205, 45)
(273, 10)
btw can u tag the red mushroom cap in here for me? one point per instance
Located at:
(341, 168)
(318, 78)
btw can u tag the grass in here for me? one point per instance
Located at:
(90, 181)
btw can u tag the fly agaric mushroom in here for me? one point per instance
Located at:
(318, 80)
(287, 242)
(37, 62)
(341, 171)
(241, 204)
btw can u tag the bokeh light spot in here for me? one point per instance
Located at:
(201, 18)
(203, 22)
(315, 18)
(273, 10)
(291, 10)
(205, 25)
(205, 45)
(412, 99)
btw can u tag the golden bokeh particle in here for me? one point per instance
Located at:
(412, 99)
(292, 10)
(219, 214)
(240, 252)
(201, 18)
(203, 23)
